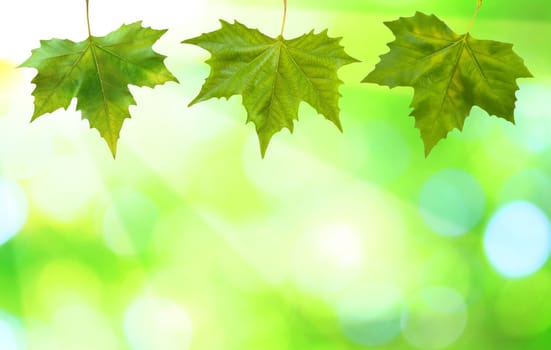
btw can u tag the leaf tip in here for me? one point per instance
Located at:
(367, 79)
(354, 60)
(35, 116)
(191, 41)
(196, 100)
(263, 150)
(427, 151)
(430, 141)
(338, 124)
(24, 64)
(225, 23)
(112, 144)
(264, 141)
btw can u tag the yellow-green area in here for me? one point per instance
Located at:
(191, 241)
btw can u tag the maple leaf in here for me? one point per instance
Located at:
(450, 73)
(273, 75)
(97, 72)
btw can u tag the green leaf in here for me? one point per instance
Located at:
(450, 73)
(97, 72)
(273, 75)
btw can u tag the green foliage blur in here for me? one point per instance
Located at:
(189, 240)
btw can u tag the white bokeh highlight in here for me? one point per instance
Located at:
(533, 114)
(66, 187)
(10, 333)
(517, 240)
(329, 258)
(152, 323)
(13, 210)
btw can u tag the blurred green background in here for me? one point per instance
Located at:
(356, 241)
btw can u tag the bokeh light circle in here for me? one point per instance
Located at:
(452, 202)
(13, 210)
(152, 323)
(355, 234)
(532, 117)
(517, 240)
(435, 318)
(10, 333)
(76, 320)
(371, 315)
(328, 258)
(66, 188)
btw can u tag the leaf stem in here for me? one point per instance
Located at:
(474, 16)
(284, 17)
(88, 17)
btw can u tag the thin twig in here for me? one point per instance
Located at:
(474, 16)
(88, 17)
(285, 17)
